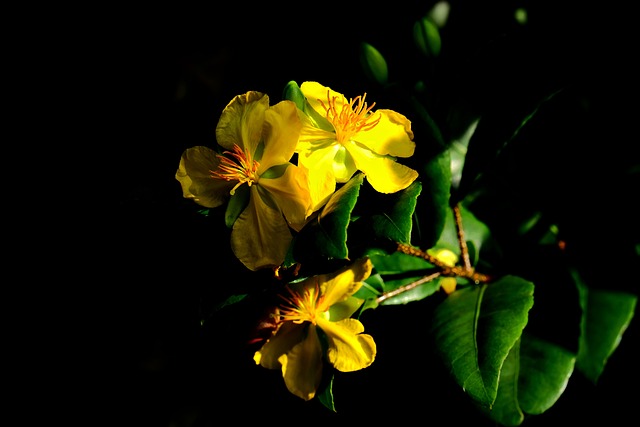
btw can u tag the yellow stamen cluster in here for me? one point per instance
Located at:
(352, 118)
(303, 307)
(236, 166)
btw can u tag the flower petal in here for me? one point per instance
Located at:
(241, 122)
(302, 366)
(348, 350)
(345, 282)
(391, 136)
(260, 237)
(280, 133)
(291, 194)
(322, 182)
(383, 173)
(194, 175)
(282, 341)
(315, 92)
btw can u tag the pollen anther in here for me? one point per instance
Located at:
(352, 117)
(236, 166)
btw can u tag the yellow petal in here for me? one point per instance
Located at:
(290, 192)
(345, 282)
(282, 341)
(348, 349)
(383, 173)
(194, 175)
(260, 237)
(315, 92)
(391, 136)
(241, 122)
(302, 366)
(319, 165)
(280, 134)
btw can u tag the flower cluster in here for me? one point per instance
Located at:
(277, 166)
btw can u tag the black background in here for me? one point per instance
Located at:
(156, 79)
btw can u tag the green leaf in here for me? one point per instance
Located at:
(383, 220)
(395, 271)
(506, 410)
(326, 396)
(373, 64)
(474, 329)
(237, 203)
(458, 151)
(545, 369)
(325, 238)
(432, 209)
(605, 317)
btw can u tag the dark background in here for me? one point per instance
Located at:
(159, 77)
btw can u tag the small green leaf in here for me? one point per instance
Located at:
(373, 64)
(605, 317)
(237, 203)
(326, 396)
(476, 327)
(325, 238)
(383, 220)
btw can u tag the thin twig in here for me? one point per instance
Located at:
(408, 287)
(455, 271)
(464, 250)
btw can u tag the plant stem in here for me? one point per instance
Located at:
(408, 287)
(464, 250)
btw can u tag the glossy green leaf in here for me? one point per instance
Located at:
(398, 270)
(533, 377)
(474, 329)
(383, 220)
(605, 317)
(433, 206)
(545, 369)
(373, 64)
(458, 151)
(506, 410)
(415, 293)
(326, 237)
(325, 395)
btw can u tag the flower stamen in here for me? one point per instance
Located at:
(236, 166)
(352, 118)
(303, 307)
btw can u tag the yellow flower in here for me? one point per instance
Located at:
(340, 137)
(259, 141)
(317, 307)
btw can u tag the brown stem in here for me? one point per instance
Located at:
(455, 271)
(408, 287)
(464, 250)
